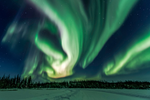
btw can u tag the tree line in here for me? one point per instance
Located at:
(6, 82)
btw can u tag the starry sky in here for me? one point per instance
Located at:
(83, 39)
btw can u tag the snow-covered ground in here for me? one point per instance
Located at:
(75, 94)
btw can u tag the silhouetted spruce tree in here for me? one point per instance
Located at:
(29, 82)
(25, 82)
(7, 81)
(2, 81)
(14, 82)
(22, 84)
(18, 81)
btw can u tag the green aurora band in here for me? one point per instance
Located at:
(71, 34)
(137, 54)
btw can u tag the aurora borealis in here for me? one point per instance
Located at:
(137, 54)
(61, 36)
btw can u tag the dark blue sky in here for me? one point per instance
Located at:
(12, 62)
(9, 63)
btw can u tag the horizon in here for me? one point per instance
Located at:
(82, 39)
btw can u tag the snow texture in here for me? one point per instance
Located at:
(75, 94)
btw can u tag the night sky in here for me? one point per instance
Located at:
(75, 39)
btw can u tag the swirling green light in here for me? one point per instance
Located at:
(137, 54)
(75, 34)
